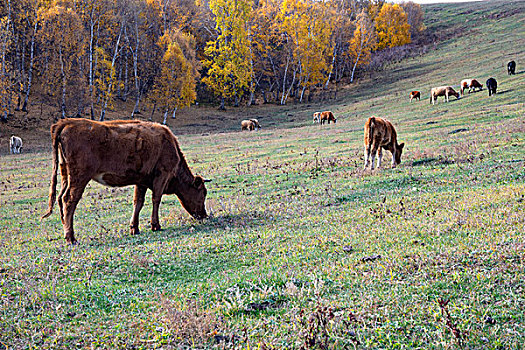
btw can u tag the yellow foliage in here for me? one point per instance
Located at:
(229, 56)
(309, 28)
(392, 27)
(175, 85)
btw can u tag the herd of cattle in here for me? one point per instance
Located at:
(471, 84)
(147, 155)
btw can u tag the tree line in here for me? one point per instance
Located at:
(83, 55)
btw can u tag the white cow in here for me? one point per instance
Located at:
(15, 144)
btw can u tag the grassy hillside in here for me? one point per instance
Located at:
(303, 248)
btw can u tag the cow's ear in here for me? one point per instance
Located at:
(206, 180)
(402, 145)
(197, 182)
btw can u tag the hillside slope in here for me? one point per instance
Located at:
(303, 248)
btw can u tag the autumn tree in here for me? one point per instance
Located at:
(309, 32)
(363, 41)
(63, 41)
(414, 17)
(174, 87)
(5, 69)
(392, 27)
(229, 71)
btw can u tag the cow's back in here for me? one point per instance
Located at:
(127, 151)
(379, 130)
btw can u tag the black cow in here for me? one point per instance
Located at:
(492, 86)
(511, 67)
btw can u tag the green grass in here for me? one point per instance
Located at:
(297, 226)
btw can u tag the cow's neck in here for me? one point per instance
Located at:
(181, 179)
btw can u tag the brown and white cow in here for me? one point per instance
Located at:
(15, 144)
(317, 118)
(250, 124)
(380, 134)
(415, 95)
(327, 116)
(471, 84)
(121, 153)
(256, 124)
(442, 91)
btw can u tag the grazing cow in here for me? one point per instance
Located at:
(415, 95)
(121, 153)
(379, 134)
(511, 67)
(442, 91)
(15, 144)
(492, 86)
(250, 124)
(327, 116)
(471, 84)
(317, 118)
(256, 124)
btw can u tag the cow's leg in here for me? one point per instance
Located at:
(64, 190)
(158, 189)
(373, 153)
(138, 202)
(71, 199)
(379, 157)
(393, 157)
(367, 156)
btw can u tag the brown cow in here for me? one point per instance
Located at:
(415, 95)
(471, 84)
(442, 91)
(256, 124)
(250, 124)
(317, 119)
(379, 134)
(327, 116)
(121, 153)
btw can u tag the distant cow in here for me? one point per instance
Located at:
(250, 124)
(380, 134)
(471, 84)
(415, 95)
(121, 153)
(317, 118)
(511, 67)
(256, 123)
(327, 116)
(492, 86)
(15, 144)
(442, 91)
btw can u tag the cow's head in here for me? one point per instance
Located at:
(399, 150)
(196, 206)
(192, 196)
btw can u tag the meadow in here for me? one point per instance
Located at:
(303, 248)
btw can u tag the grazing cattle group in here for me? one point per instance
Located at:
(121, 153)
(15, 144)
(147, 155)
(470, 84)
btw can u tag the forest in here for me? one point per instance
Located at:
(81, 56)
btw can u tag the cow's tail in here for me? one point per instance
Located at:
(55, 136)
(371, 126)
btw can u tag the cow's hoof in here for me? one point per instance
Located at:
(155, 227)
(134, 231)
(71, 240)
